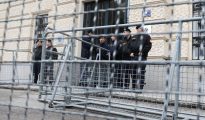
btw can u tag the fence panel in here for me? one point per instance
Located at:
(100, 70)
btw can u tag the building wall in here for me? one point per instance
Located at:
(24, 29)
(161, 42)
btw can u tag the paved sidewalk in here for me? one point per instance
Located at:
(24, 105)
(25, 97)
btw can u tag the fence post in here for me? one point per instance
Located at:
(99, 68)
(70, 69)
(71, 55)
(178, 57)
(169, 82)
(13, 67)
(43, 54)
(201, 57)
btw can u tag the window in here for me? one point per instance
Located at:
(105, 17)
(41, 23)
(197, 38)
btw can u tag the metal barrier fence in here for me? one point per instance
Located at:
(11, 72)
(92, 90)
(72, 87)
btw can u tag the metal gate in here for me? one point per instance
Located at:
(73, 87)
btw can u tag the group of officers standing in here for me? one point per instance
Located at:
(49, 66)
(127, 47)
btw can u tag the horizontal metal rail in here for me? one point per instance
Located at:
(53, 32)
(157, 22)
(182, 63)
(60, 111)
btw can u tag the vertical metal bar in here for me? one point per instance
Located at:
(199, 106)
(20, 28)
(201, 57)
(68, 55)
(202, 45)
(67, 69)
(55, 5)
(143, 11)
(61, 58)
(170, 69)
(99, 68)
(93, 29)
(86, 100)
(58, 76)
(93, 72)
(91, 51)
(107, 66)
(72, 52)
(43, 54)
(171, 75)
(13, 67)
(178, 56)
(12, 85)
(70, 70)
(113, 67)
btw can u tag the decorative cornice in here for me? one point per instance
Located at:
(41, 12)
(66, 2)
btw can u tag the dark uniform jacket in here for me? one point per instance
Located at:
(104, 53)
(123, 49)
(51, 55)
(37, 53)
(37, 56)
(85, 51)
(143, 41)
(113, 49)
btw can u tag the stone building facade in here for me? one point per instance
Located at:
(18, 24)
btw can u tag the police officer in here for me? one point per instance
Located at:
(123, 48)
(50, 55)
(113, 46)
(85, 51)
(140, 46)
(115, 56)
(104, 53)
(37, 57)
(123, 52)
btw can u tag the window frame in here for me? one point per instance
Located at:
(44, 22)
(196, 37)
(88, 19)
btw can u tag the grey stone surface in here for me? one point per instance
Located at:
(25, 105)
(34, 110)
